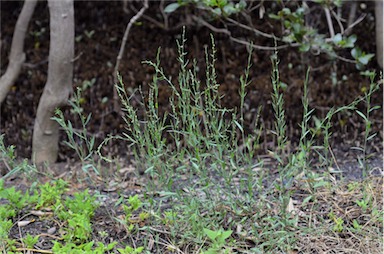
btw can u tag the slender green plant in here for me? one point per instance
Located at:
(78, 139)
(278, 108)
(366, 116)
(8, 158)
(305, 142)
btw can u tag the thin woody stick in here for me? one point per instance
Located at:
(121, 52)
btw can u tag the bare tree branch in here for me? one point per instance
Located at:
(227, 32)
(122, 48)
(349, 28)
(329, 21)
(352, 13)
(165, 16)
(337, 17)
(258, 32)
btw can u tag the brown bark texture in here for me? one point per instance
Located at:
(59, 81)
(17, 55)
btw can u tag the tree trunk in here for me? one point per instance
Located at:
(59, 81)
(379, 31)
(17, 56)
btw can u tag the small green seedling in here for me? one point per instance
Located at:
(338, 227)
(5, 227)
(364, 203)
(134, 204)
(130, 250)
(85, 248)
(80, 228)
(16, 199)
(30, 240)
(356, 224)
(50, 193)
(218, 239)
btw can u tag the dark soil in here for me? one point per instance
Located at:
(96, 56)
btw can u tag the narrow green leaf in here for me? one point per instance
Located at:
(357, 148)
(171, 7)
(372, 136)
(306, 200)
(239, 126)
(362, 115)
(374, 108)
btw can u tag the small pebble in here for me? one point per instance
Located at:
(51, 230)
